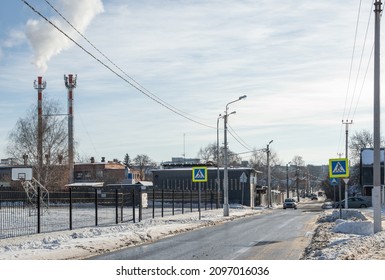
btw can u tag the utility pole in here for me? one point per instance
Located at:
(376, 193)
(218, 178)
(225, 168)
(346, 123)
(269, 203)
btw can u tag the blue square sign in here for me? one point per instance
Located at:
(338, 168)
(199, 174)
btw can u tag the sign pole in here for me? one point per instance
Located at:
(199, 175)
(199, 199)
(340, 197)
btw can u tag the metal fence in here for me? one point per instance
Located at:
(78, 208)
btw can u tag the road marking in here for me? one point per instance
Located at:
(243, 250)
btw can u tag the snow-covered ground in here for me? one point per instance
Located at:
(351, 238)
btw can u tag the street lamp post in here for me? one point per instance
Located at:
(218, 179)
(225, 171)
(287, 179)
(268, 174)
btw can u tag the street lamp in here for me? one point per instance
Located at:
(218, 180)
(225, 172)
(268, 174)
(287, 179)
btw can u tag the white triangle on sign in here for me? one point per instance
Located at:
(339, 168)
(199, 174)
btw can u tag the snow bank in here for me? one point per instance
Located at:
(350, 238)
(352, 227)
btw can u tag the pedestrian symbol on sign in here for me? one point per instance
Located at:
(339, 168)
(199, 174)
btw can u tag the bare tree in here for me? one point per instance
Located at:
(143, 162)
(210, 153)
(258, 161)
(127, 160)
(22, 141)
(358, 141)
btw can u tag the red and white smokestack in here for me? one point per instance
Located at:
(39, 85)
(70, 83)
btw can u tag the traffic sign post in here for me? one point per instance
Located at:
(199, 175)
(339, 168)
(334, 183)
(243, 180)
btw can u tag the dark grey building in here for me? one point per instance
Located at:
(181, 179)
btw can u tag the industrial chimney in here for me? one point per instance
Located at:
(70, 83)
(39, 85)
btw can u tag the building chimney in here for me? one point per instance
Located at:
(40, 85)
(103, 159)
(92, 160)
(70, 83)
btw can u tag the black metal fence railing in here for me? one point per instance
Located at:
(78, 208)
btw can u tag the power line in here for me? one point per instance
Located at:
(360, 63)
(239, 139)
(352, 58)
(109, 60)
(114, 72)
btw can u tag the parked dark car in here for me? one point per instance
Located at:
(354, 202)
(327, 205)
(313, 197)
(289, 203)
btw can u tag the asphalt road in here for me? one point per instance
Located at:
(277, 235)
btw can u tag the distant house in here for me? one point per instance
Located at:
(366, 170)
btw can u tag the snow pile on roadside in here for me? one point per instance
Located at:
(87, 242)
(348, 239)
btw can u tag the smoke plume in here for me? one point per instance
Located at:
(47, 41)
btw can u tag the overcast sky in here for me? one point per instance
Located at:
(295, 61)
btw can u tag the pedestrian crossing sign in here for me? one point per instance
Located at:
(338, 168)
(199, 174)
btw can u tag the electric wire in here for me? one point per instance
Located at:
(351, 60)
(113, 71)
(239, 139)
(109, 60)
(360, 63)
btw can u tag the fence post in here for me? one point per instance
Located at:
(140, 203)
(191, 200)
(211, 199)
(162, 200)
(116, 206)
(96, 207)
(121, 207)
(133, 204)
(205, 199)
(38, 209)
(70, 194)
(153, 203)
(173, 201)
